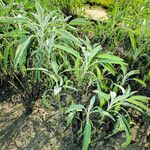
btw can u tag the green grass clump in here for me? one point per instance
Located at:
(103, 2)
(84, 75)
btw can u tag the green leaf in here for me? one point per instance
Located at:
(77, 68)
(70, 118)
(68, 50)
(1, 56)
(132, 39)
(109, 68)
(87, 135)
(48, 17)
(139, 104)
(54, 64)
(120, 87)
(140, 98)
(38, 69)
(92, 101)
(39, 10)
(104, 98)
(132, 72)
(14, 19)
(113, 95)
(21, 50)
(80, 21)
(115, 11)
(132, 106)
(121, 98)
(15, 33)
(140, 81)
(104, 113)
(99, 74)
(110, 57)
(68, 35)
(50, 43)
(104, 95)
(75, 107)
(87, 44)
(123, 125)
(127, 131)
(94, 52)
(57, 90)
(45, 101)
(124, 69)
(6, 54)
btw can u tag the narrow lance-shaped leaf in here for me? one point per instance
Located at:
(140, 98)
(70, 118)
(1, 56)
(140, 81)
(45, 101)
(104, 113)
(109, 68)
(132, 106)
(132, 39)
(94, 52)
(21, 50)
(14, 19)
(15, 33)
(80, 21)
(6, 54)
(39, 11)
(139, 104)
(99, 74)
(92, 101)
(77, 107)
(68, 49)
(87, 135)
(127, 131)
(110, 57)
(132, 72)
(68, 35)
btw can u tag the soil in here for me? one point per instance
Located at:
(40, 130)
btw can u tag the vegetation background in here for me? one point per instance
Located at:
(94, 73)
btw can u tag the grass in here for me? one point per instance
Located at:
(86, 76)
